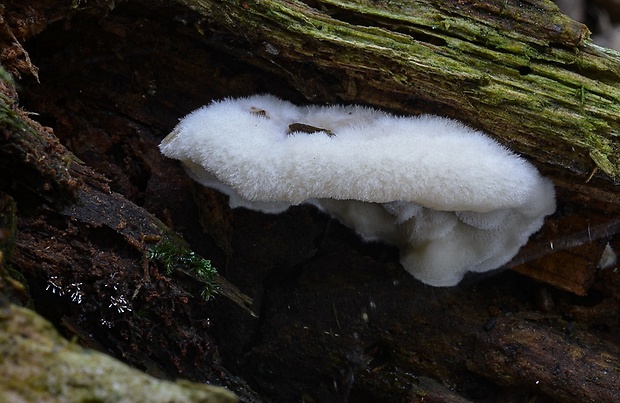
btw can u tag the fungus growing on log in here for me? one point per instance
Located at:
(452, 199)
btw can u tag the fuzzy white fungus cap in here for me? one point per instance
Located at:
(452, 199)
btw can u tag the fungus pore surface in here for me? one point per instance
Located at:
(452, 199)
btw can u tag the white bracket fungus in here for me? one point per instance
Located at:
(452, 199)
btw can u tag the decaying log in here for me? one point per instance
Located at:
(363, 335)
(337, 319)
(521, 71)
(82, 247)
(37, 363)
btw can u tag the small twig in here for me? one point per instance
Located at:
(600, 231)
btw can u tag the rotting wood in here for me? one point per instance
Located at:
(68, 221)
(37, 153)
(366, 335)
(305, 311)
(135, 225)
(521, 71)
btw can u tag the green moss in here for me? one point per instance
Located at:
(518, 71)
(38, 365)
(173, 257)
(9, 119)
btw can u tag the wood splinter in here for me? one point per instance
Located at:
(304, 128)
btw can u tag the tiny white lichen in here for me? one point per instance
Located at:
(54, 285)
(452, 199)
(120, 303)
(76, 293)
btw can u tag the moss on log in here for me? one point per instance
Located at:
(39, 365)
(521, 71)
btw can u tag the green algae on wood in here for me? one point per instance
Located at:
(37, 364)
(522, 71)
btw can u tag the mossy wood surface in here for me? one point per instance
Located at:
(519, 70)
(39, 365)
